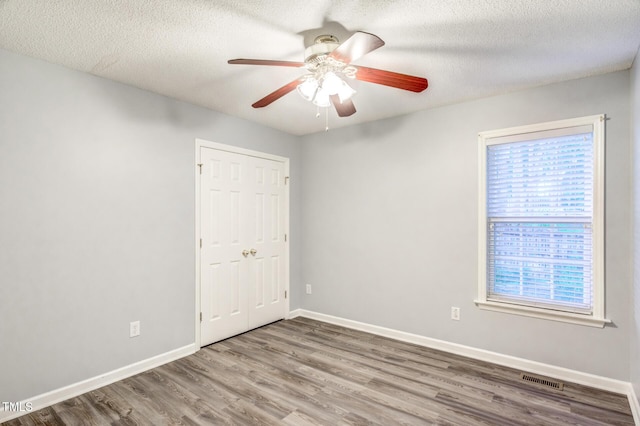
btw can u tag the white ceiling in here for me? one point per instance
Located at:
(466, 48)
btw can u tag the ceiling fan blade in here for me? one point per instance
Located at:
(344, 109)
(356, 47)
(392, 79)
(274, 96)
(265, 62)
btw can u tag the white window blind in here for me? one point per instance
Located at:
(539, 211)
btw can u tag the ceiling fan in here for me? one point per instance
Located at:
(327, 63)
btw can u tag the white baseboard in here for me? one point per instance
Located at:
(58, 395)
(635, 404)
(295, 313)
(561, 373)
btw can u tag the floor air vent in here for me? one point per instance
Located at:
(554, 384)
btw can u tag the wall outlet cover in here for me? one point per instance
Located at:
(455, 313)
(134, 329)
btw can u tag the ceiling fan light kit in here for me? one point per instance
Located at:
(319, 88)
(328, 63)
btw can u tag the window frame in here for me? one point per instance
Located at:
(492, 137)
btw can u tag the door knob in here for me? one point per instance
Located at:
(253, 252)
(245, 253)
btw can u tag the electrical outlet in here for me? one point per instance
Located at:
(134, 329)
(455, 313)
(308, 288)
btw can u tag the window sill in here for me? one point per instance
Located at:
(547, 314)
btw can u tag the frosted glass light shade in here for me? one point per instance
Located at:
(308, 88)
(331, 83)
(345, 92)
(322, 98)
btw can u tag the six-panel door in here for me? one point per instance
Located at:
(243, 262)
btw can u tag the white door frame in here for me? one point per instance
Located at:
(201, 143)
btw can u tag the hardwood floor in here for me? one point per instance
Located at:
(304, 372)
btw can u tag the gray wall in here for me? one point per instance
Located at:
(390, 221)
(635, 300)
(97, 221)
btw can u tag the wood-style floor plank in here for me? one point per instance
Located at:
(303, 372)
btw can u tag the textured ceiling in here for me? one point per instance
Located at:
(466, 48)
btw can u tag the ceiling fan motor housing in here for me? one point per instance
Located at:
(322, 46)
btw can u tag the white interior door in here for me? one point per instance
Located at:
(223, 273)
(267, 263)
(243, 257)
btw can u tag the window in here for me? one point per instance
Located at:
(541, 221)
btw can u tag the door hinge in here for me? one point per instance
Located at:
(200, 166)
(285, 238)
(285, 294)
(200, 316)
(286, 180)
(200, 242)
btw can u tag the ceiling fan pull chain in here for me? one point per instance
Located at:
(326, 119)
(317, 111)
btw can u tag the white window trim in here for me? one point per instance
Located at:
(597, 318)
